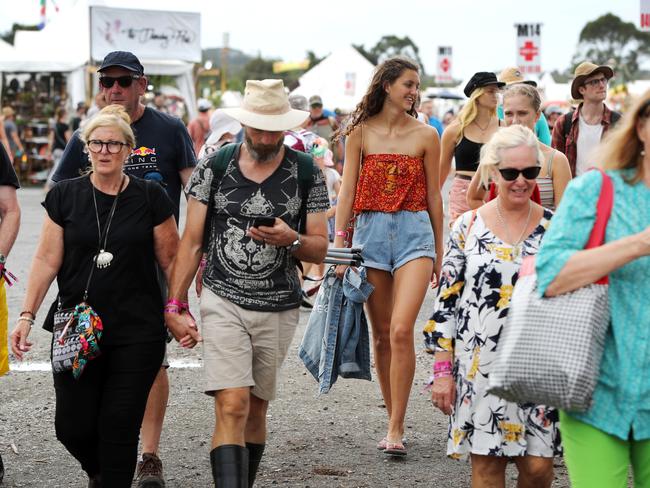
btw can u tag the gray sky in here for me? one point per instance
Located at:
(481, 32)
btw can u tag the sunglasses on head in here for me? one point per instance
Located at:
(511, 174)
(124, 81)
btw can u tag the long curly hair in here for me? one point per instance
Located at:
(373, 101)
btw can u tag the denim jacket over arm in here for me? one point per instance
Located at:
(336, 340)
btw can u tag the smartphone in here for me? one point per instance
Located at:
(265, 221)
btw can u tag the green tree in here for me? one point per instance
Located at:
(610, 40)
(389, 46)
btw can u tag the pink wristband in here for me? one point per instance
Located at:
(341, 233)
(441, 374)
(442, 366)
(173, 302)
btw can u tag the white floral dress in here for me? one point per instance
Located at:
(479, 272)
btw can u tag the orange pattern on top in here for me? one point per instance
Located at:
(390, 183)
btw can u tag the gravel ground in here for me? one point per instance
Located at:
(314, 441)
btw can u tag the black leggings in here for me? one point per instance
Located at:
(98, 417)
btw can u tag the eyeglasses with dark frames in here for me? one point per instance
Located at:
(124, 81)
(511, 174)
(597, 81)
(113, 147)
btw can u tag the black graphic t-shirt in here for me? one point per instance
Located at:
(252, 274)
(7, 173)
(163, 148)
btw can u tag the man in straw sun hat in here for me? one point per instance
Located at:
(262, 206)
(577, 132)
(511, 76)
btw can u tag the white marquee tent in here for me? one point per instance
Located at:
(341, 79)
(64, 46)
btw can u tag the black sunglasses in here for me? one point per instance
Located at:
(124, 81)
(511, 174)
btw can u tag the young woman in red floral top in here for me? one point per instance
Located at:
(390, 182)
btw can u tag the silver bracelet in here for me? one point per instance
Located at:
(26, 319)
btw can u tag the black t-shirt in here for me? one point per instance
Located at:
(7, 174)
(126, 294)
(60, 128)
(252, 274)
(163, 148)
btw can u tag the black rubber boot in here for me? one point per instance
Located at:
(255, 452)
(229, 466)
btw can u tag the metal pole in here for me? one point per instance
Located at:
(224, 62)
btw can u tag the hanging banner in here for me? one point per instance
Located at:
(443, 71)
(644, 21)
(529, 37)
(149, 34)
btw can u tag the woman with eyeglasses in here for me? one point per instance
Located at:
(121, 226)
(522, 105)
(601, 443)
(482, 260)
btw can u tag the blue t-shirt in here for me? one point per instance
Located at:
(163, 148)
(436, 124)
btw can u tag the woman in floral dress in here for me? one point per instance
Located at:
(479, 271)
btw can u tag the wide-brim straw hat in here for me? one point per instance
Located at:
(513, 75)
(266, 107)
(584, 71)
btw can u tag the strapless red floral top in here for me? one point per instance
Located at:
(390, 183)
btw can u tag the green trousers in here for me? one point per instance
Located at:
(596, 459)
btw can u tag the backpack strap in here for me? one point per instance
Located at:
(218, 162)
(615, 118)
(566, 127)
(306, 171)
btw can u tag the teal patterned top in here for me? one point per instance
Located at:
(622, 398)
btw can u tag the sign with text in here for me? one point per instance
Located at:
(443, 70)
(149, 34)
(644, 21)
(529, 37)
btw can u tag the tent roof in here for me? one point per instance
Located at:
(341, 79)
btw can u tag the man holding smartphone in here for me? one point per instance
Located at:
(261, 223)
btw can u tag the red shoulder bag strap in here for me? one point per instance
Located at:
(603, 211)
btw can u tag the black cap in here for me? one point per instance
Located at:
(122, 59)
(482, 78)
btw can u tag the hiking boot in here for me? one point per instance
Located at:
(149, 473)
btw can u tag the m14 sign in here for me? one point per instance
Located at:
(644, 20)
(529, 38)
(443, 70)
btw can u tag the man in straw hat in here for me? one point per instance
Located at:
(511, 76)
(579, 131)
(250, 200)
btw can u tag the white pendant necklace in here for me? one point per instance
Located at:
(104, 258)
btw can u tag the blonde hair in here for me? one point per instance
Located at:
(110, 116)
(621, 147)
(506, 138)
(524, 90)
(469, 112)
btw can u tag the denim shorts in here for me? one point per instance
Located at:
(390, 240)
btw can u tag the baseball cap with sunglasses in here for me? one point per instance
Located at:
(511, 174)
(124, 81)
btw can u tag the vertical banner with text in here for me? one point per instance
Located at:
(443, 71)
(644, 19)
(529, 38)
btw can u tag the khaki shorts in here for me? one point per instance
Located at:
(243, 347)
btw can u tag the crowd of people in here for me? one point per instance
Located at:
(280, 180)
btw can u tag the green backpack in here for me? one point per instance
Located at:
(219, 161)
